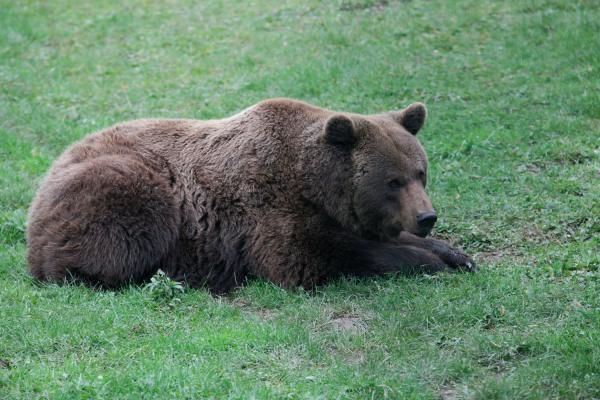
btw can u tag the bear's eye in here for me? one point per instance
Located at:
(422, 176)
(395, 184)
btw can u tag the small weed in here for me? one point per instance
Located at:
(163, 289)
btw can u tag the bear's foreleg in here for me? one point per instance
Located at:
(453, 257)
(361, 257)
(339, 252)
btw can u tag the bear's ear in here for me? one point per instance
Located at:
(412, 117)
(339, 129)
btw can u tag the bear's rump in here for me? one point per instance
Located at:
(108, 220)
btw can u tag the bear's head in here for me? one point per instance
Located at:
(385, 194)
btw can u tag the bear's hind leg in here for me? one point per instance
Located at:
(107, 221)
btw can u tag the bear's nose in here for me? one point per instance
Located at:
(426, 220)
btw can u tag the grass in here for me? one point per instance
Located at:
(513, 90)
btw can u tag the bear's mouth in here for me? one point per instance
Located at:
(423, 232)
(392, 231)
(380, 235)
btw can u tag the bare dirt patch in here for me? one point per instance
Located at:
(449, 393)
(349, 323)
(247, 307)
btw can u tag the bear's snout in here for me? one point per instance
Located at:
(425, 222)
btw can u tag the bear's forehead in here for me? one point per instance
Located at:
(400, 145)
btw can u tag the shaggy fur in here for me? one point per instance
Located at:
(283, 190)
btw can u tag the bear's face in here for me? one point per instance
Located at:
(390, 171)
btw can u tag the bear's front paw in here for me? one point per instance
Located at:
(458, 260)
(454, 258)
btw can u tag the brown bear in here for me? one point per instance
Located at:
(284, 191)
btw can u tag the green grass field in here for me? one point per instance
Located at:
(513, 90)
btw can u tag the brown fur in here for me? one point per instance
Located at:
(283, 190)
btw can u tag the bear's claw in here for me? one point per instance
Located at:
(470, 266)
(458, 260)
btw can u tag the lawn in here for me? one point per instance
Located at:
(513, 137)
